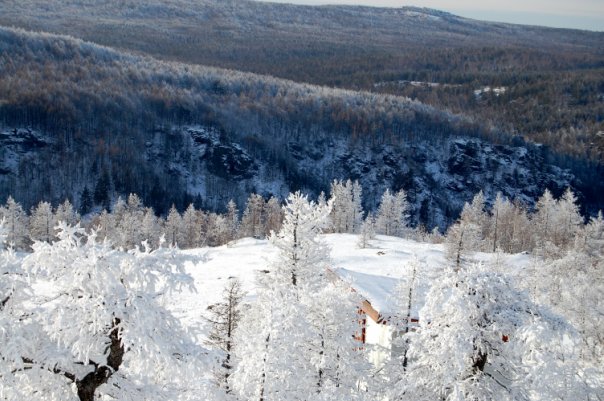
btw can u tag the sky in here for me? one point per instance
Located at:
(580, 14)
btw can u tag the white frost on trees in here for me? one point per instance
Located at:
(173, 227)
(253, 222)
(392, 214)
(347, 211)
(296, 341)
(109, 332)
(480, 339)
(42, 223)
(16, 224)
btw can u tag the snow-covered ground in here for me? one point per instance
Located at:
(373, 272)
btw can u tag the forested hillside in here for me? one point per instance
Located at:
(549, 81)
(232, 200)
(114, 123)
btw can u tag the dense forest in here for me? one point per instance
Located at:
(116, 123)
(551, 79)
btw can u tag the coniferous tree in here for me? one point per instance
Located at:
(568, 219)
(392, 214)
(42, 223)
(274, 216)
(191, 228)
(463, 237)
(499, 227)
(102, 190)
(367, 231)
(86, 201)
(232, 219)
(105, 226)
(270, 364)
(66, 213)
(173, 227)
(543, 220)
(474, 214)
(253, 222)
(347, 212)
(129, 219)
(16, 224)
(225, 317)
(150, 228)
(592, 239)
(385, 219)
(404, 301)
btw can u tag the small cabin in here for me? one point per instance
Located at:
(379, 331)
(375, 324)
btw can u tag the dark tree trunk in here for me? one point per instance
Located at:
(263, 376)
(480, 361)
(408, 321)
(92, 381)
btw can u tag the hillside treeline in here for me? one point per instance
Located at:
(101, 109)
(553, 77)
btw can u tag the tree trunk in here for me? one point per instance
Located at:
(92, 381)
(263, 376)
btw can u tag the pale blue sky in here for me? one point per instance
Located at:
(581, 14)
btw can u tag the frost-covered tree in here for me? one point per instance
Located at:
(129, 219)
(404, 300)
(150, 228)
(173, 227)
(481, 339)
(543, 219)
(341, 369)
(301, 254)
(274, 216)
(42, 223)
(232, 219)
(367, 232)
(347, 211)
(225, 317)
(392, 214)
(18, 334)
(16, 224)
(572, 286)
(217, 229)
(109, 332)
(104, 225)
(462, 239)
(568, 220)
(253, 222)
(474, 214)
(591, 240)
(191, 228)
(509, 228)
(113, 223)
(296, 342)
(66, 213)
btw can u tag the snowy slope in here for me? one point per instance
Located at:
(373, 272)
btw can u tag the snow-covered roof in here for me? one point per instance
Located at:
(376, 289)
